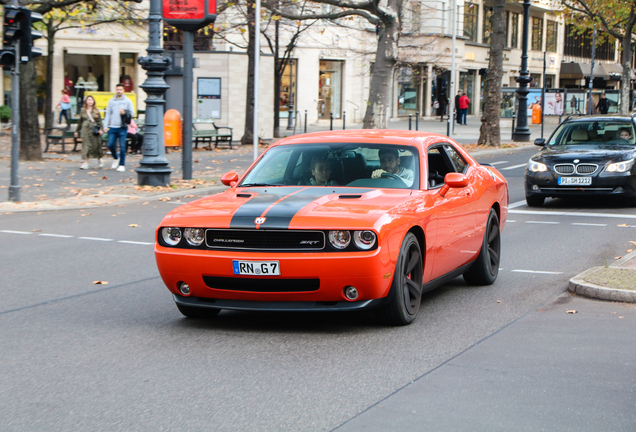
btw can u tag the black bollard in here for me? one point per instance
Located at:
(417, 120)
(344, 120)
(305, 121)
(513, 126)
(331, 121)
(410, 119)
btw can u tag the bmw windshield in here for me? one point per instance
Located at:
(594, 133)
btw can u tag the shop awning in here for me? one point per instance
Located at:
(615, 71)
(88, 51)
(600, 71)
(575, 70)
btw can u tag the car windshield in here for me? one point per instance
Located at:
(594, 132)
(344, 164)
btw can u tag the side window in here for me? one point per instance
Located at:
(438, 166)
(457, 159)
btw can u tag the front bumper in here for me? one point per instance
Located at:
(545, 184)
(371, 273)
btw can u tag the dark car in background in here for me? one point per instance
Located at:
(585, 156)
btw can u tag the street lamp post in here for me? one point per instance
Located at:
(154, 169)
(522, 131)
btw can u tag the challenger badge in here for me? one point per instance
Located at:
(259, 220)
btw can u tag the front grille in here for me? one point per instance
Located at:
(269, 285)
(586, 168)
(265, 239)
(564, 169)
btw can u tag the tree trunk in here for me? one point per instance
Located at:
(379, 101)
(626, 60)
(277, 78)
(489, 132)
(248, 136)
(48, 103)
(30, 145)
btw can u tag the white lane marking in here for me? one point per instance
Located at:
(517, 204)
(508, 221)
(134, 242)
(515, 166)
(175, 203)
(55, 235)
(498, 163)
(15, 232)
(543, 222)
(587, 224)
(554, 213)
(537, 271)
(95, 238)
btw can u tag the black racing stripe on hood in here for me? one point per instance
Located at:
(246, 214)
(280, 216)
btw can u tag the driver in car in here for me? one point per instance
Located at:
(390, 163)
(626, 134)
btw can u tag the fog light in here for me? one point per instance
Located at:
(184, 289)
(350, 293)
(535, 187)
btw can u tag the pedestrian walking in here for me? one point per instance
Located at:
(90, 126)
(603, 104)
(65, 108)
(463, 104)
(119, 113)
(457, 96)
(443, 103)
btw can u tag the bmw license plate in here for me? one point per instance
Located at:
(256, 268)
(575, 181)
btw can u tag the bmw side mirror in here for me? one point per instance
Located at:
(230, 178)
(539, 142)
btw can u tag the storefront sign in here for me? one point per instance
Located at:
(189, 15)
(333, 53)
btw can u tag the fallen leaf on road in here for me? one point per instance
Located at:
(629, 250)
(100, 282)
(146, 203)
(36, 230)
(105, 178)
(133, 225)
(165, 199)
(189, 196)
(623, 225)
(618, 257)
(571, 311)
(498, 301)
(613, 313)
(621, 317)
(540, 310)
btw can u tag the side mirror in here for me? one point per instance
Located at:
(540, 142)
(453, 180)
(230, 178)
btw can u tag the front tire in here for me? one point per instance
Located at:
(485, 269)
(405, 296)
(197, 312)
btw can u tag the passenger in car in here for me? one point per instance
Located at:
(626, 134)
(320, 173)
(390, 163)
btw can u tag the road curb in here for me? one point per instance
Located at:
(581, 287)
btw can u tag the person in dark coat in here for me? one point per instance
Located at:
(603, 104)
(457, 119)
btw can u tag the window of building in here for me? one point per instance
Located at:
(514, 36)
(407, 90)
(470, 21)
(486, 31)
(537, 33)
(551, 36)
(580, 45)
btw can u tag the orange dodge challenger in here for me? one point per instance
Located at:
(336, 221)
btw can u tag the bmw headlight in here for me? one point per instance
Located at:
(620, 167)
(172, 236)
(339, 239)
(194, 236)
(536, 166)
(364, 240)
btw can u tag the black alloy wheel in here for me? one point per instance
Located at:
(405, 296)
(485, 269)
(197, 312)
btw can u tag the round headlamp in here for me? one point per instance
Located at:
(537, 166)
(172, 236)
(194, 236)
(339, 239)
(364, 240)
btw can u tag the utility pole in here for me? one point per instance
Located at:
(188, 65)
(522, 131)
(14, 188)
(451, 97)
(257, 53)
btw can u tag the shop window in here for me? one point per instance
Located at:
(486, 31)
(470, 21)
(537, 33)
(330, 89)
(288, 88)
(551, 36)
(407, 91)
(514, 34)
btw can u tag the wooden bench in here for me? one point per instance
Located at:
(201, 131)
(62, 135)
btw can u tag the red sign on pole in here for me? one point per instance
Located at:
(189, 15)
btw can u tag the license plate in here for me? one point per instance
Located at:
(256, 268)
(575, 181)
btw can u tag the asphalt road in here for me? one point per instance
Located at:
(118, 356)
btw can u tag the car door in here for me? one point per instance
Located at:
(455, 211)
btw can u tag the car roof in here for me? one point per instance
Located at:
(371, 136)
(599, 118)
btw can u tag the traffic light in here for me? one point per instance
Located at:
(27, 51)
(11, 33)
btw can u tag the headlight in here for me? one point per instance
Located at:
(536, 166)
(194, 236)
(620, 167)
(339, 239)
(364, 239)
(172, 236)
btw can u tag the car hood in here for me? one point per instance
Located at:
(592, 154)
(295, 207)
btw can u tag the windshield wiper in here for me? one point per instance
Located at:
(256, 184)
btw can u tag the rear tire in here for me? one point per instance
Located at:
(405, 296)
(197, 312)
(485, 269)
(534, 201)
